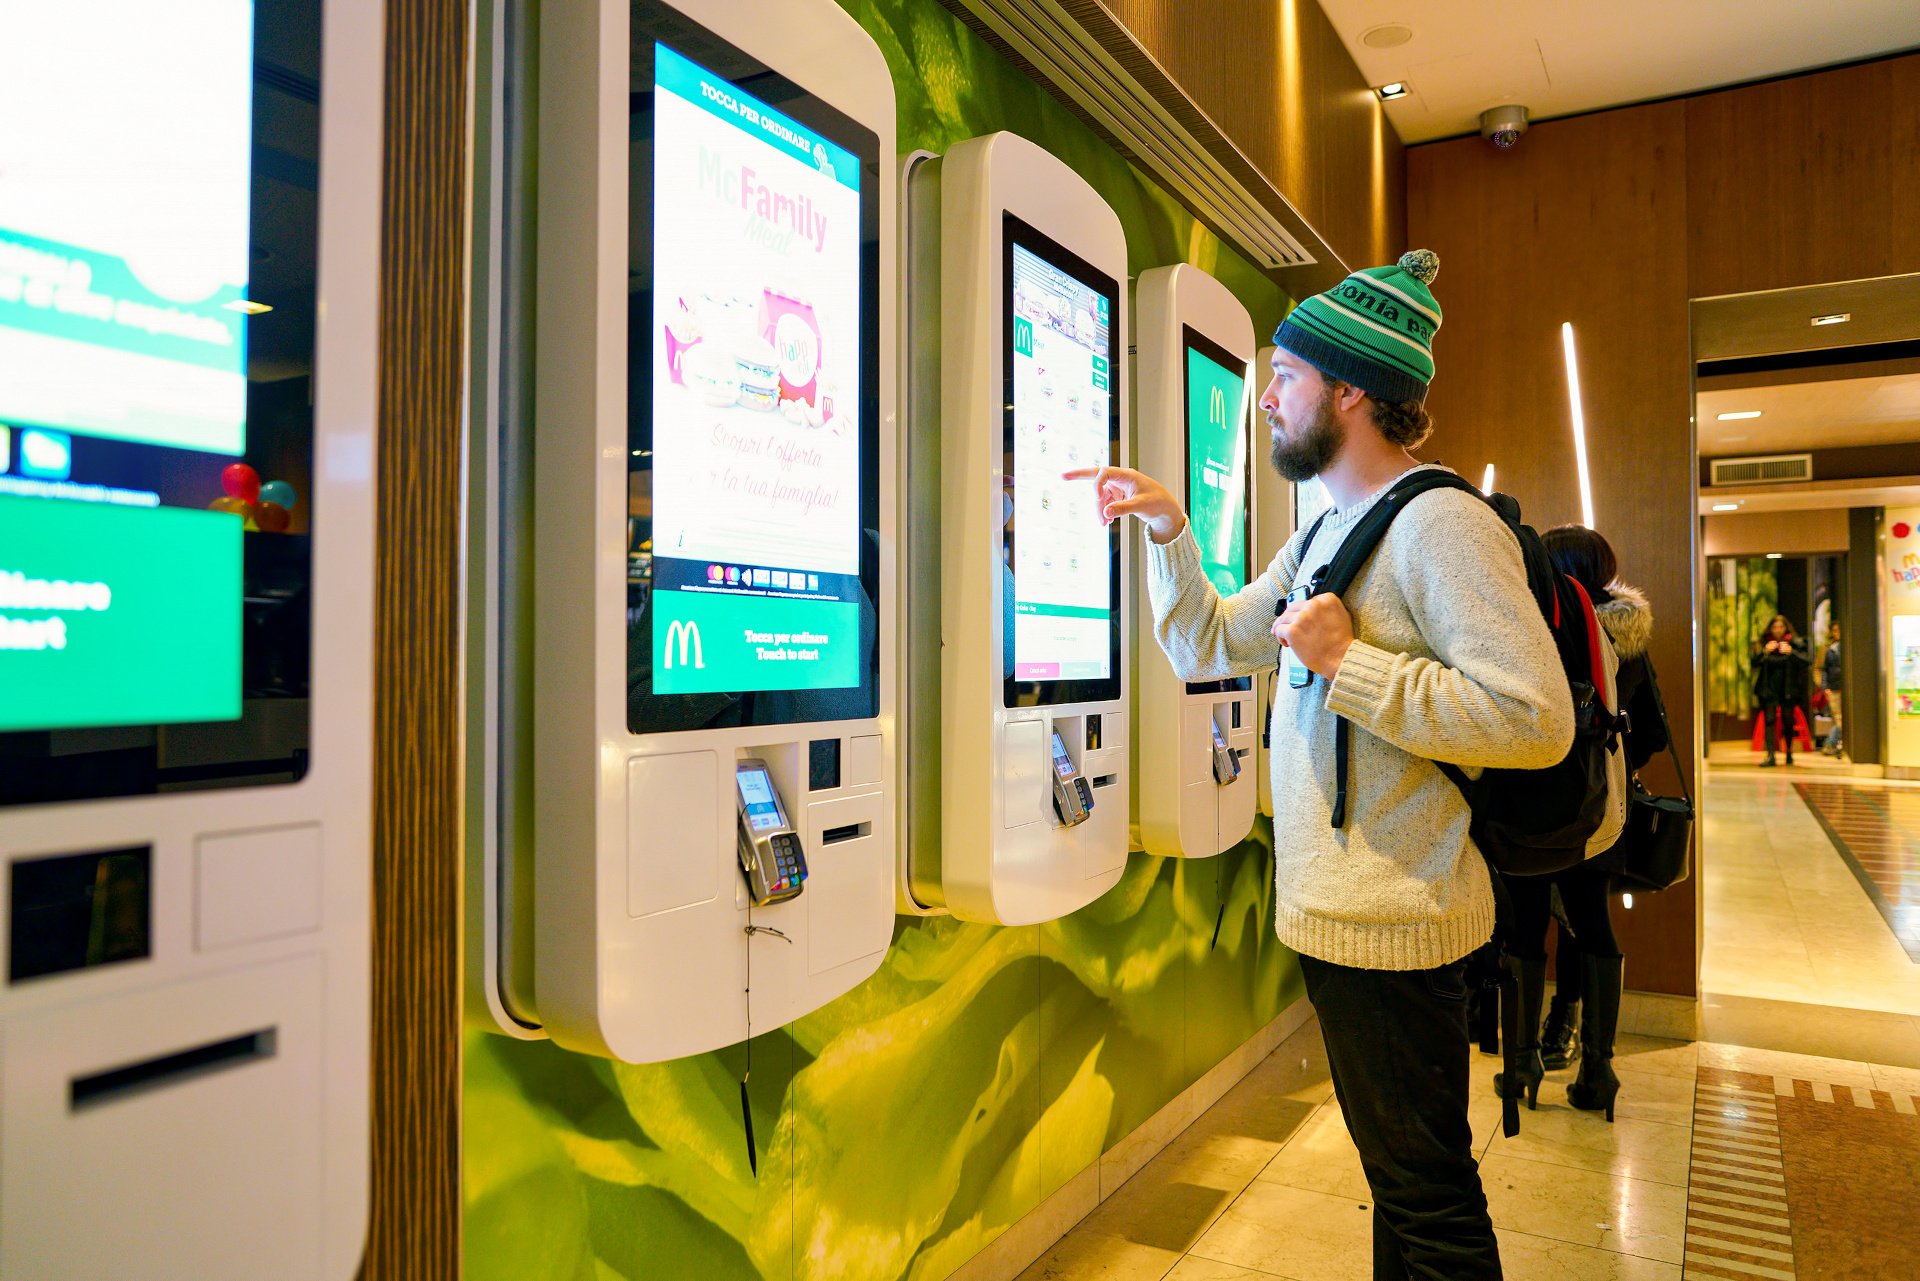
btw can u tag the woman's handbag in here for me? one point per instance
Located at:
(1652, 852)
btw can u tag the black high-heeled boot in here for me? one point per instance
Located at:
(1528, 1072)
(1597, 1085)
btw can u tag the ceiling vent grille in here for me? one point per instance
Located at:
(1773, 469)
(1110, 87)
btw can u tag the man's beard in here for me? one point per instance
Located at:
(1302, 455)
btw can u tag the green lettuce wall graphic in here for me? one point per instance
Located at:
(906, 1125)
(1743, 595)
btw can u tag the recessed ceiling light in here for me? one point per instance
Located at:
(1398, 89)
(1726, 507)
(1773, 555)
(1837, 318)
(1388, 35)
(1741, 413)
(247, 307)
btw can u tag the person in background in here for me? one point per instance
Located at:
(1588, 559)
(1832, 677)
(1780, 666)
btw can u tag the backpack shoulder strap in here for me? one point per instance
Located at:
(1358, 546)
(1337, 575)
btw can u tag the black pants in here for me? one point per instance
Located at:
(1781, 728)
(1397, 1044)
(1584, 894)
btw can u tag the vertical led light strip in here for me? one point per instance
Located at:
(1486, 484)
(1579, 424)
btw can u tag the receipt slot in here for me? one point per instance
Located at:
(1017, 652)
(713, 547)
(1194, 768)
(187, 387)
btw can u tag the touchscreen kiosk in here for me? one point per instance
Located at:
(187, 363)
(1194, 772)
(713, 546)
(1016, 295)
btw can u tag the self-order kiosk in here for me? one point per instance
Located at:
(1017, 649)
(1194, 767)
(189, 255)
(714, 645)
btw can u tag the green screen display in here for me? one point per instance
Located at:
(713, 643)
(117, 615)
(1217, 464)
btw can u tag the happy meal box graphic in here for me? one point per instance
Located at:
(789, 324)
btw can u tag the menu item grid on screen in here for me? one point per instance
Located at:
(1061, 580)
(753, 370)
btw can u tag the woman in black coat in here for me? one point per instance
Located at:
(1591, 966)
(1780, 668)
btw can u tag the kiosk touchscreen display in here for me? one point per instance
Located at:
(753, 346)
(156, 359)
(1062, 584)
(1219, 470)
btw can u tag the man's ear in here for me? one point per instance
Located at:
(1347, 397)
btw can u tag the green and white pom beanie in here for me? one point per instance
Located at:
(1373, 330)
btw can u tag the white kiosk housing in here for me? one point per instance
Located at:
(1194, 766)
(1026, 819)
(1273, 525)
(713, 544)
(186, 694)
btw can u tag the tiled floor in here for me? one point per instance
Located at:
(1786, 919)
(1877, 831)
(1739, 755)
(1724, 1162)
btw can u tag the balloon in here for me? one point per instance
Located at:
(279, 491)
(242, 482)
(271, 517)
(230, 505)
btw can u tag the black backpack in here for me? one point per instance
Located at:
(1526, 822)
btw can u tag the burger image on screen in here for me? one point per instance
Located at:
(759, 372)
(711, 371)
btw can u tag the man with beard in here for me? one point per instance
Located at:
(1436, 653)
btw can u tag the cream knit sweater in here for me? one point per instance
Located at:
(1451, 662)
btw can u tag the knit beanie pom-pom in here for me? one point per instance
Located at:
(1422, 264)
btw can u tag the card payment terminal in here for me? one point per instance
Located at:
(1072, 798)
(1226, 766)
(770, 855)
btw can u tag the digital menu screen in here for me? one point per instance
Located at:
(755, 431)
(123, 250)
(1219, 472)
(1062, 413)
(156, 403)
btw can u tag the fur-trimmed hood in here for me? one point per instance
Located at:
(1628, 619)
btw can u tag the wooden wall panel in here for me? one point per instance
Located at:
(1584, 222)
(1274, 75)
(1805, 181)
(1791, 533)
(414, 1233)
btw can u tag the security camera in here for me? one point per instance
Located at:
(1502, 126)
